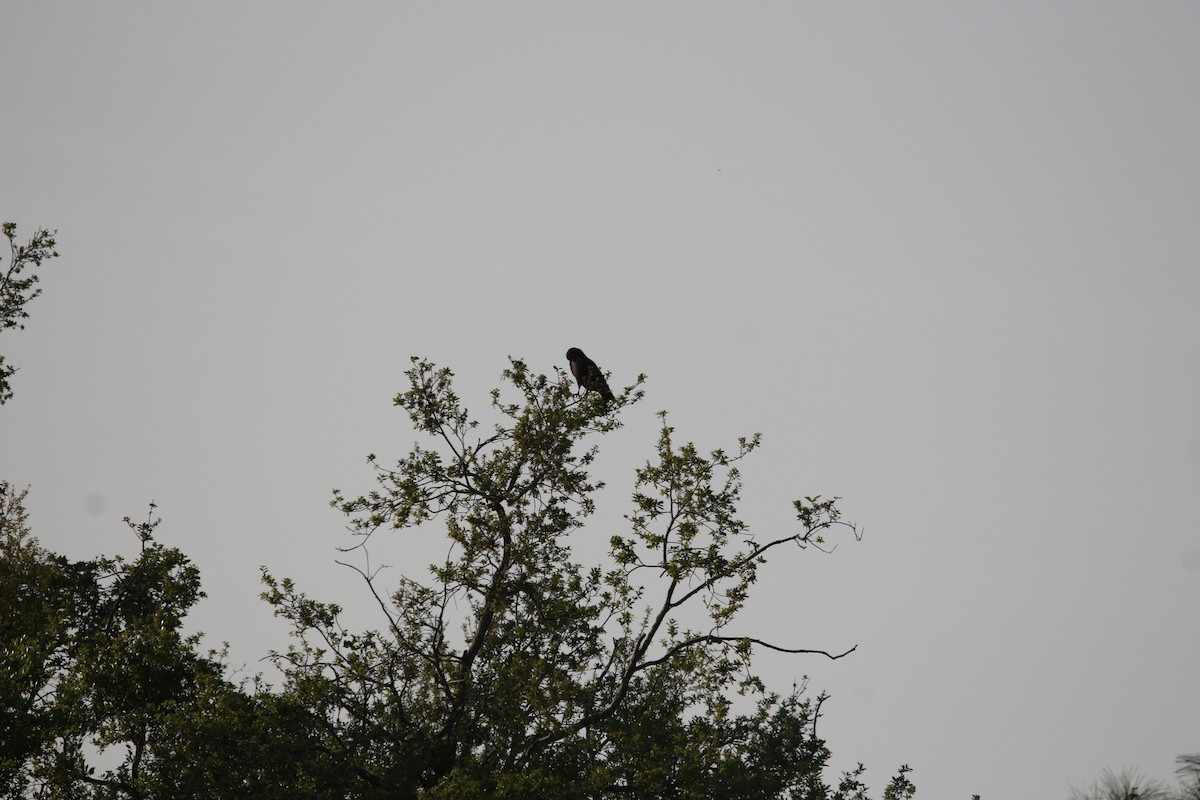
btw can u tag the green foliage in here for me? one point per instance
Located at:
(515, 667)
(512, 670)
(91, 654)
(94, 669)
(16, 289)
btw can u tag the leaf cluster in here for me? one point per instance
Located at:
(92, 658)
(18, 287)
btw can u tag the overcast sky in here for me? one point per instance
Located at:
(944, 256)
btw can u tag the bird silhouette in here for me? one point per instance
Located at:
(588, 374)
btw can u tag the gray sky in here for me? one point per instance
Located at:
(943, 255)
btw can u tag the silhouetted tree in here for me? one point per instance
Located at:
(1189, 776)
(1130, 785)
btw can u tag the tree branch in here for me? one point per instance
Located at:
(713, 639)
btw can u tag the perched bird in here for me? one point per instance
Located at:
(587, 373)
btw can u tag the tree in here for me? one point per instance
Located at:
(567, 681)
(1189, 775)
(514, 670)
(16, 291)
(1123, 785)
(94, 669)
(1130, 785)
(91, 656)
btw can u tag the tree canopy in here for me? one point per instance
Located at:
(511, 669)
